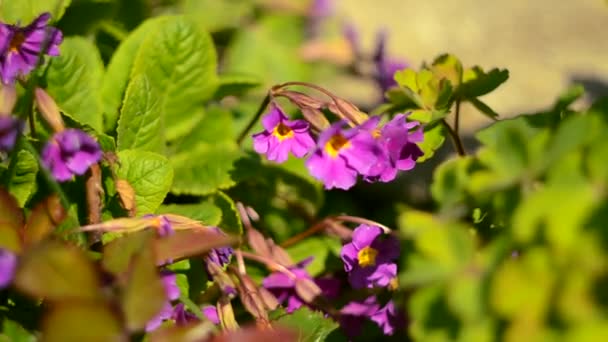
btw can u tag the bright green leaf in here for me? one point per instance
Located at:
(477, 82)
(205, 169)
(24, 11)
(149, 174)
(22, 183)
(433, 140)
(140, 124)
(311, 325)
(74, 81)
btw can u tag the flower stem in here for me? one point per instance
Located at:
(457, 117)
(253, 120)
(360, 220)
(455, 139)
(271, 264)
(308, 232)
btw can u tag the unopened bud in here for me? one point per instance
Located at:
(8, 98)
(49, 110)
(126, 193)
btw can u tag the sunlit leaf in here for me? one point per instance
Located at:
(82, 321)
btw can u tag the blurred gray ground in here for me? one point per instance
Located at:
(545, 44)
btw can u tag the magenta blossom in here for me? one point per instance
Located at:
(20, 46)
(283, 285)
(10, 128)
(397, 142)
(8, 265)
(210, 312)
(354, 314)
(342, 155)
(221, 255)
(70, 152)
(169, 281)
(282, 136)
(369, 259)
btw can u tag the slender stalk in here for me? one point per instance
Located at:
(317, 227)
(271, 264)
(455, 139)
(255, 118)
(457, 117)
(361, 220)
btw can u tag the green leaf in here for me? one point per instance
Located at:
(180, 62)
(270, 49)
(140, 123)
(449, 67)
(23, 182)
(310, 325)
(82, 321)
(206, 212)
(149, 174)
(144, 294)
(450, 180)
(213, 128)
(58, 272)
(235, 84)
(477, 82)
(24, 11)
(483, 108)
(214, 15)
(433, 140)
(14, 332)
(118, 73)
(74, 81)
(205, 169)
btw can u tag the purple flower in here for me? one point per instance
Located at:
(388, 318)
(70, 152)
(283, 285)
(386, 66)
(181, 316)
(8, 265)
(20, 47)
(282, 136)
(210, 312)
(398, 145)
(169, 281)
(220, 256)
(369, 259)
(10, 127)
(354, 314)
(341, 155)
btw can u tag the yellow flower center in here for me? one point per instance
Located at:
(335, 144)
(282, 132)
(367, 256)
(16, 41)
(376, 133)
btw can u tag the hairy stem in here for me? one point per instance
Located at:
(253, 120)
(271, 264)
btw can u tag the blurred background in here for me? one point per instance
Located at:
(545, 44)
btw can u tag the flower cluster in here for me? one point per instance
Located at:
(21, 46)
(369, 259)
(342, 153)
(353, 315)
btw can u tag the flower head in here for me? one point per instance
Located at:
(210, 312)
(70, 152)
(388, 318)
(281, 136)
(283, 285)
(10, 127)
(354, 314)
(8, 264)
(369, 259)
(341, 155)
(398, 145)
(20, 46)
(222, 255)
(169, 282)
